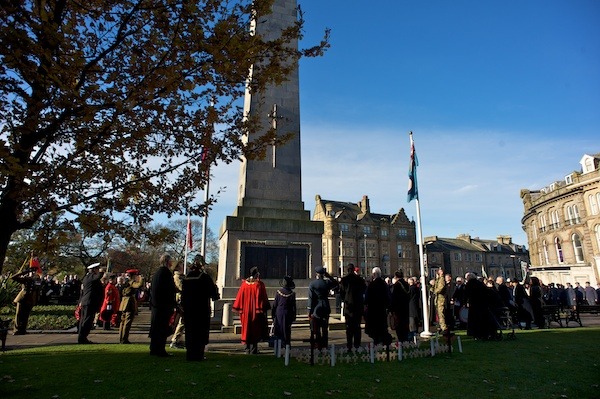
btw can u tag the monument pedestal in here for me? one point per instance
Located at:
(278, 240)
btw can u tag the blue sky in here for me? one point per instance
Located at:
(500, 96)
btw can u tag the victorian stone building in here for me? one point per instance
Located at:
(354, 234)
(562, 222)
(500, 257)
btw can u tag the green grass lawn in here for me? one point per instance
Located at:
(557, 363)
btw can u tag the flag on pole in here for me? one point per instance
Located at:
(413, 192)
(188, 237)
(483, 273)
(34, 263)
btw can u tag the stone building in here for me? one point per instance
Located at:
(562, 223)
(500, 257)
(353, 234)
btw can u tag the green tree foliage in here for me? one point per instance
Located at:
(107, 105)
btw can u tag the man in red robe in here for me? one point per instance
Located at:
(252, 305)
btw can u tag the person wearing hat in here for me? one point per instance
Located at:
(252, 304)
(318, 307)
(128, 305)
(284, 310)
(352, 292)
(111, 302)
(26, 299)
(92, 294)
(198, 290)
(162, 299)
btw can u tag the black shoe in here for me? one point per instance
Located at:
(20, 333)
(85, 342)
(125, 342)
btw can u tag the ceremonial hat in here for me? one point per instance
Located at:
(288, 282)
(320, 270)
(132, 271)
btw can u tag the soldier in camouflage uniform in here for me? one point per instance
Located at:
(439, 290)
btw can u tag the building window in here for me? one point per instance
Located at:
(344, 227)
(578, 248)
(546, 252)
(367, 229)
(597, 231)
(402, 233)
(555, 221)
(559, 251)
(593, 204)
(457, 256)
(573, 214)
(469, 257)
(384, 232)
(399, 250)
(543, 223)
(477, 257)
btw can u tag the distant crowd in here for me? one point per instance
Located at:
(181, 305)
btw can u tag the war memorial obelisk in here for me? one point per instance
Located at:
(270, 228)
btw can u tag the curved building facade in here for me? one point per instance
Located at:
(562, 223)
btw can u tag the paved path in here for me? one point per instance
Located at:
(219, 341)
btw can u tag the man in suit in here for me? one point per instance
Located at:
(92, 294)
(162, 300)
(352, 291)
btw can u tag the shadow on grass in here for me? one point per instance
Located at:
(537, 364)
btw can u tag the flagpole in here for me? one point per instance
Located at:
(413, 193)
(424, 290)
(205, 222)
(187, 240)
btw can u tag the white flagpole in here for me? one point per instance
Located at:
(205, 222)
(187, 240)
(424, 287)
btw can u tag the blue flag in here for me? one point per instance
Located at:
(413, 192)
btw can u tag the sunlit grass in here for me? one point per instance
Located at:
(558, 363)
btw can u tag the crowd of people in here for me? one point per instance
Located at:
(181, 304)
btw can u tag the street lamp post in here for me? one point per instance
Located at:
(366, 269)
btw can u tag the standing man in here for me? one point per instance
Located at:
(252, 303)
(198, 289)
(26, 299)
(318, 307)
(399, 306)
(590, 294)
(178, 280)
(439, 290)
(377, 304)
(162, 300)
(128, 306)
(92, 294)
(352, 294)
(458, 301)
(522, 304)
(415, 313)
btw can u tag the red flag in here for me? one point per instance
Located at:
(188, 237)
(34, 263)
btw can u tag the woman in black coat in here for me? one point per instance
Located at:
(198, 290)
(284, 311)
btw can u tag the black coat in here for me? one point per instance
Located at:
(377, 301)
(198, 290)
(163, 290)
(352, 292)
(92, 292)
(284, 314)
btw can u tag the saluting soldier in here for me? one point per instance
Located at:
(128, 306)
(26, 299)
